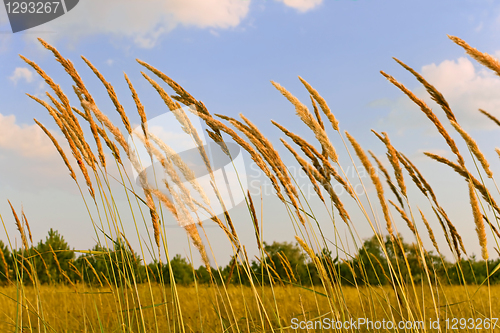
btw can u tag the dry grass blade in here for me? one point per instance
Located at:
(254, 218)
(309, 170)
(375, 180)
(478, 220)
(309, 120)
(170, 171)
(70, 69)
(392, 155)
(19, 226)
(188, 174)
(474, 148)
(112, 95)
(421, 178)
(256, 157)
(5, 266)
(405, 217)
(490, 116)
(272, 157)
(483, 58)
(435, 94)
(467, 176)
(327, 170)
(453, 231)
(429, 230)
(155, 219)
(59, 149)
(140, 107)
(322, 103)
(428, 112)
(387, 178)
(95, 134)
(112, 128)
(196, 239)
(25, 221)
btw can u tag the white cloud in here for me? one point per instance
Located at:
(22, 73)
(146, 21)
(466, 86)
(302, 5)
(24, 140)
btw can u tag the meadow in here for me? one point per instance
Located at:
(48, 287)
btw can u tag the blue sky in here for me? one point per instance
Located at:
(225, 53)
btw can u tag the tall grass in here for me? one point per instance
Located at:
(121, 302)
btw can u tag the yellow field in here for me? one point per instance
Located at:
(65, 310)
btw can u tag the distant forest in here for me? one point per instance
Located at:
(282, 263)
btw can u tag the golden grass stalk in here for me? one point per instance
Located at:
(421, 178)
(6, 267)
(405, 217)
(25, 221)
(71, 142)
(428, 112)
(198, 243)
(498, 151)
(109, 125)
(474, 148)
(254, 218)
(429, 230)
(412, 173)
(375, 180)
(140, 107)
(270, 154)
(95, 134)
(55, 87)
(387, 178)
(272, 157)
(169, 169)
(393, 159)
(452, 244)
(327, 169)
(186, 171)
(93, 271)
(317, 262)
(322, 103)
(19, 226)
(316, 112)
(70, 69)
(435, 94)
(63, 273)
(256, 157)
(112, 95)
(478, 220)
(483, 58)
(184, 96)
(467, 176)
(309, 120)
(456, 236)
(311, 173)
(490, 116)
(155, 219)
(59, 149)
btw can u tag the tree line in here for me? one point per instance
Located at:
(52, 261)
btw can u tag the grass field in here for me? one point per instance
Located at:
(205, 308)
